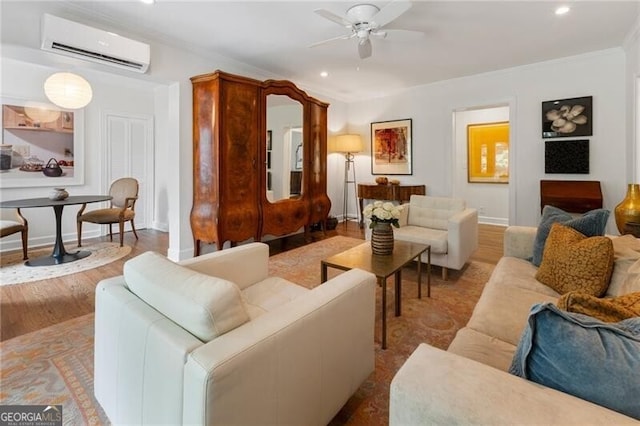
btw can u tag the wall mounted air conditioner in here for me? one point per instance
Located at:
(81, 41)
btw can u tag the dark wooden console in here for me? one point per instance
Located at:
(574, 196)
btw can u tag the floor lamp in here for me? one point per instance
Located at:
(349, 144)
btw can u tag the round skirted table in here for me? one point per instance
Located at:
(59, 254)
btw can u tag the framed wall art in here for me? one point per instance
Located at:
(567, 117)
(391, 147)
(488, 152)
(37, 133)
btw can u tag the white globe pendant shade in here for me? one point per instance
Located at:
(68, 90)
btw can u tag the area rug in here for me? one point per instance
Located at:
(55, 365)
(14, 271)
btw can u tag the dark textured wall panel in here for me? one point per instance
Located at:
(566, 157)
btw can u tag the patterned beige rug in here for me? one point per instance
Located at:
(55, 365)
(14, 271)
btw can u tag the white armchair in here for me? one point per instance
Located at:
(166, 354)
(445, 224)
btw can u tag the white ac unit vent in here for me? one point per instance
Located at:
(81, 41)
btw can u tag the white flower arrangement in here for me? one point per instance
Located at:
(380, 212)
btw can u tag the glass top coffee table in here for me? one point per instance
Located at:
(383, 267)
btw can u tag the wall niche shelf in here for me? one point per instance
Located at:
(36, 129)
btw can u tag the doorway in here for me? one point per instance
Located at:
(491, 199)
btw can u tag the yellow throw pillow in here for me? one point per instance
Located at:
(612, 309)
(573, 262)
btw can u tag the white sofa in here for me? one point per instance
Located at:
(469, 383)
(297, 358)
(446, 224)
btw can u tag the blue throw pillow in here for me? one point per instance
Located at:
(590, 224)
(582, 356)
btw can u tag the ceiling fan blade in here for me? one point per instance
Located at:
(404, 35)
(364, 48)
(391, 12)
(333, 17)
(342, 37)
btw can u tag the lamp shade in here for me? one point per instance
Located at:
(40, 113)
(349, 143)
(68, 90)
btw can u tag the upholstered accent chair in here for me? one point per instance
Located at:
(215, 340)
(122, 209)
(11, 222)
(446, 224)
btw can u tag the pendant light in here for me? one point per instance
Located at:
(40, 113)
(68, 90)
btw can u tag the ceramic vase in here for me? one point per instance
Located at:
(382, 239)
(629, 209)
(58, 194)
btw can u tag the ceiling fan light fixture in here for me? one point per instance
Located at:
(364, 48)
(365, 20)
(362, 13)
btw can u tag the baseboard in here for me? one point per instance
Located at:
(160, 226)
(178, 255)
(485, 220)
(69, 239)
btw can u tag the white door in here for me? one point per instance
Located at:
(128, 152)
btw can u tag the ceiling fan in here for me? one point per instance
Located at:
(366, 20)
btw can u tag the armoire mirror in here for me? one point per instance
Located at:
(284, 165)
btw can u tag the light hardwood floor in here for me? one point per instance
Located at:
(31, 306)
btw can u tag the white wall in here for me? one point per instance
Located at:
(491, 200)
(337, 117)
(598, 74)
(632, 50)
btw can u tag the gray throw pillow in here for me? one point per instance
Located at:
(590, 224)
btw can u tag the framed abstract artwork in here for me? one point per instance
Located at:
(391, 151)
(564, 118)
(488, 152)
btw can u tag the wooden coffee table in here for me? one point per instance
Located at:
(383, 267)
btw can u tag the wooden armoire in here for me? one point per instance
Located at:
(230, 157)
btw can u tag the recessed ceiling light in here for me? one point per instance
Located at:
(324, 74)
(148, 1)
(562, 10)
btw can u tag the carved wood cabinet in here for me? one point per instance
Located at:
(230, 157)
